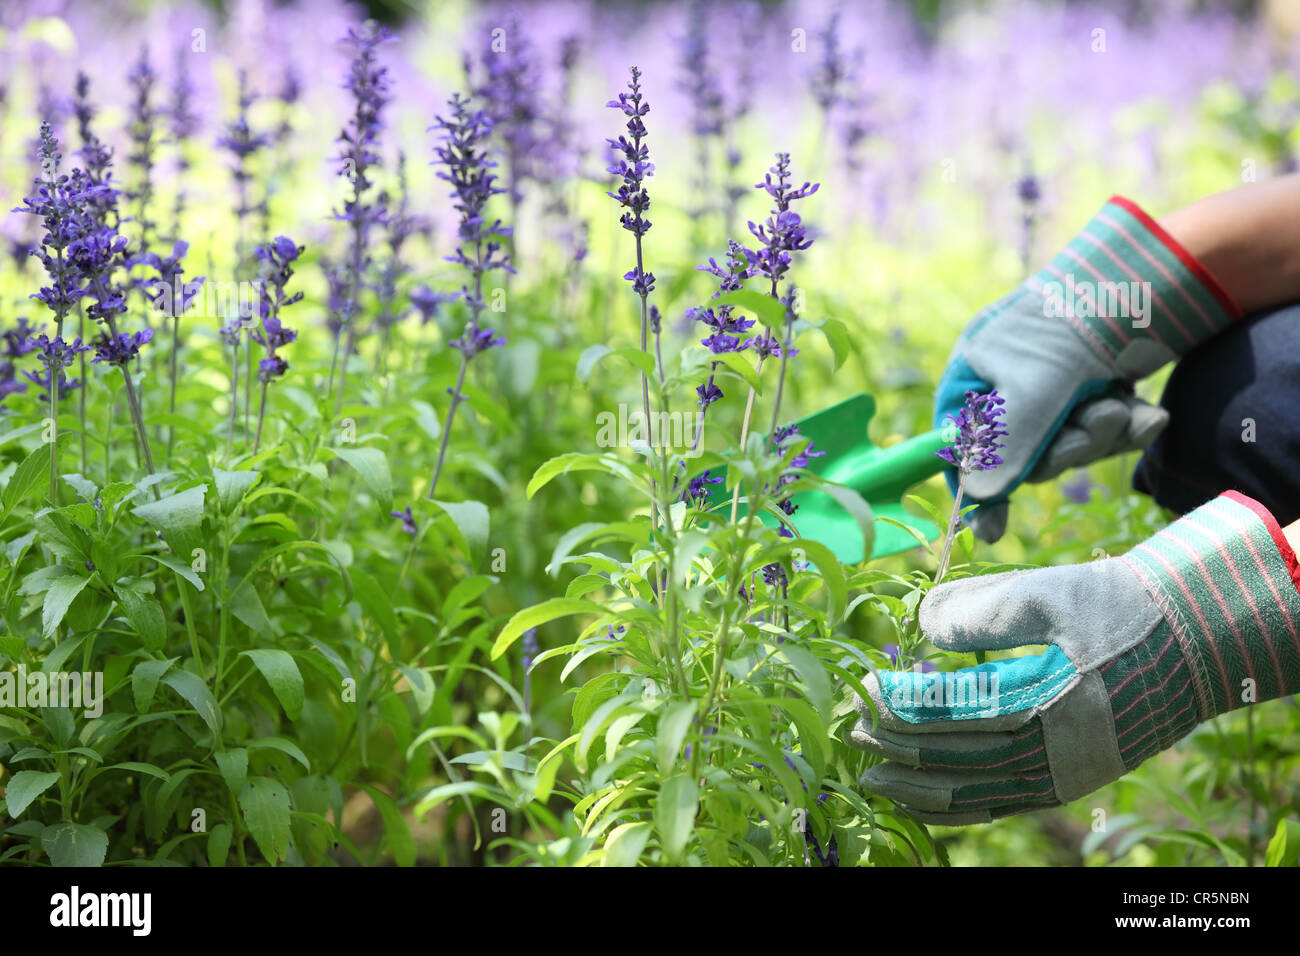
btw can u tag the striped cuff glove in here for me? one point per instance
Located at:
(1121, 300)
(1201, 619)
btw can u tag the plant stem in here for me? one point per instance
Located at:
(353, 304)
(171, 407)
(456, 399)
(55, 375)
(248, 384)
(261, 414)
(744, 439)
(137, 415)
(952, 529)
(81, 396)
(234, 396)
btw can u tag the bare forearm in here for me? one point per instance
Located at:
(1248, 238)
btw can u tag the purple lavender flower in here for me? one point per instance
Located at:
(475, 340)
(725, 327)
(634, 168)
(59, 200)
(895, 658)
(97, 157)
(242, 143)
(408, 521)
(369, 84)
(144, 116)
(831, 76)
(1029, 193)
(702, 87)
(182, 124)
(1079, 488)
(509, 94)
(55, 355)
(275, 260)
(169, 294)
(529, 648)
(400, 224)
(429, 303)
(697, 491)
(463, 157)
(121, 348)
(978, 428)
(784, 232)
(784, 437)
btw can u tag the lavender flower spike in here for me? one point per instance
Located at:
(977, 430)
(370, 86)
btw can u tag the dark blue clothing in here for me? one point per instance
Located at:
(1248, 374)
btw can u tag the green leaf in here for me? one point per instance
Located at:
(1284, 847)
(75, 844)
(191, 687)
(737, 362)
(564, 547)
(472, 520)
(281, 672)
(246, 604)
(145, 614)
(673, 725)
(233, 765)
(86, 490)
(265, 805)
(284, 746)
(58, 598)
(837, 335)
(376, 603)
(769, 311)
(144, 681)
(24, 787)
(679, 801)
(27, 478)
(232, 486)
(372, 466)
(396, 829)
(814, 677)
(422, 687)
(579, 461)
(625, 844)
(537, 615)
(595, 354)
(177, 517)
(180, 567)
(219, 839)
(136, 766)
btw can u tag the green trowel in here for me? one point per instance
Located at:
(880, 475)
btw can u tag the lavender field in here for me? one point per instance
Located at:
(330, 335)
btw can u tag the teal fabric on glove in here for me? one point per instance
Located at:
(1117, 303)
(1200, 619)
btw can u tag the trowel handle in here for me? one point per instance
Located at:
(893, 468)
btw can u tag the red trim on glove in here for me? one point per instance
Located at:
(1274, 530)
(1190, 261)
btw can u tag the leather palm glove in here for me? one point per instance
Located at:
(1200, 619)
(1117, 303)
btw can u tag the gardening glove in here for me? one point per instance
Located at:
(1200, 619)
(1121, 300)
